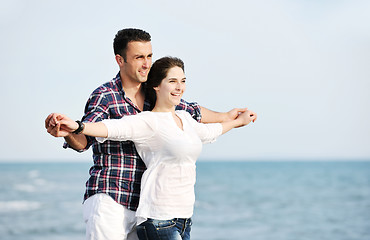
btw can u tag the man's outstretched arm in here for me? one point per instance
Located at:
(209, 116)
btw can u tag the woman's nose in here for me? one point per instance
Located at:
(178, 86)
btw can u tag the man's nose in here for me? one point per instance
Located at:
(146, 63)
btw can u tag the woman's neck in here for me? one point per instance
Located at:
(159, 108)
(176, 118)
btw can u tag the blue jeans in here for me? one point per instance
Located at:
(174, 229)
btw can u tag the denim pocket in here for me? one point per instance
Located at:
(162, 224)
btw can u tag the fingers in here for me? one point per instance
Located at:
(254, 116)
(50, 120)
(57, 131)
(67, 125)
(53, 130)
(241, 110)
(53, 124)
(235, 112)
(59, 117)
(238, 111)
(53, 119)
(249, 116)
(47, 120)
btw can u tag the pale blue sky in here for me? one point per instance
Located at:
(303, 66)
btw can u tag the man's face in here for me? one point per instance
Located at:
(138, 62)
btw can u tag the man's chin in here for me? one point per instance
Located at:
(141, 78)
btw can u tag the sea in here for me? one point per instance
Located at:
(235, 200)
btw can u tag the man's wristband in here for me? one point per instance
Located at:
(80, 128)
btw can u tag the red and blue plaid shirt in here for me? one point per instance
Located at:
(117, 168)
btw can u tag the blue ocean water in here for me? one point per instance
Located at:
(235, 200)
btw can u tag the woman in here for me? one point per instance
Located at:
(169, 143)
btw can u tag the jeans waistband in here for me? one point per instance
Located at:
(183, 220)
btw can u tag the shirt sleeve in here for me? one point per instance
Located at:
(192, 108)
(137, 128)
(207, 132)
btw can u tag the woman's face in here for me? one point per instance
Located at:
(171, 89)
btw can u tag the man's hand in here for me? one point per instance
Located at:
(246, 117)
(234, 113)
(209, 116)
(53, 125)
(59, 125)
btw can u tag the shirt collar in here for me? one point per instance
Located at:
(120, 87)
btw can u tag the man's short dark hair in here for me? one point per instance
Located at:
(124, 36)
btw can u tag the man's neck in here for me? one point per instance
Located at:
(133, 90)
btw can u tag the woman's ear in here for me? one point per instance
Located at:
(156, 88)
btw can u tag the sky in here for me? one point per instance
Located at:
(302, 66)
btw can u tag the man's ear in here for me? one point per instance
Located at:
(120, 60)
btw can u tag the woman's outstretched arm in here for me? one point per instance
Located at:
(67, 125)
(243, 119)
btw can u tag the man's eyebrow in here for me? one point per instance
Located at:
(143, 55)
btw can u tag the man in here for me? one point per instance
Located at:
(112, 191)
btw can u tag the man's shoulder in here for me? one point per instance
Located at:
(192, 108)
(110, 86)
(108, 93)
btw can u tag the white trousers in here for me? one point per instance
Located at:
(107, 220)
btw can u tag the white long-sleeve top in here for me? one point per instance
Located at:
(169, 153)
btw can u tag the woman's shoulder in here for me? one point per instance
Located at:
(146, 115)
(182, 112)
(185, 114)
(149, 114)
(144, 118)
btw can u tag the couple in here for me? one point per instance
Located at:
(167, 140)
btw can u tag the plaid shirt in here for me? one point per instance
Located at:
(117, 168)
